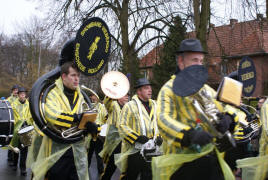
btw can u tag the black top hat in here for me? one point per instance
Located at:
(142, 82)
(191, 45)
(15, 87)
(190, 80)
(22, 89)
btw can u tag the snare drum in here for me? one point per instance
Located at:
(6, 122)
(25, 135)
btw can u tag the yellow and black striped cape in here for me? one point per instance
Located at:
(60, 113)
(175, 114)
(130, 123)
(58, 110)
(11, 99)
(21, 114)
(112, 137)
(130, 127)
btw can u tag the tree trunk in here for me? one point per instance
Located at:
(202, 24)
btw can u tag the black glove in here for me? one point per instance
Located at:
(247, 130)
(196, 137)
(78, 117)
(158, 141)
(91, 127)
(225, 121)
(142, 139)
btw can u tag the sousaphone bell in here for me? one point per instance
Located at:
(115, 84)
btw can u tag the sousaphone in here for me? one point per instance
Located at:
(90, 51)
(115, 84)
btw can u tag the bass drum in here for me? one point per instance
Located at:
(6, 122)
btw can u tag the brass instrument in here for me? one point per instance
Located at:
(89, 56)
(252, 121)
(114, 84)
(89, 114)
(204, 104)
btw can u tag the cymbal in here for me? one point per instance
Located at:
(115, 84)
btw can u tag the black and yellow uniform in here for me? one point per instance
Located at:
(22, 118)
(112, 144)
(255, 168)
(57, 160)
(11, 99)
(176, 115)
(131, 129)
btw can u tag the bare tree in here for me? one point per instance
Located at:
(134, 25)
(201, 20)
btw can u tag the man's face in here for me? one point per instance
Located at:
(145, 92)
(189, 59)
(15, 92)
(22, 96)
(260, 103)
(72, 79)
(123, 100)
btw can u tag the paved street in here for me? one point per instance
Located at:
(6, 173)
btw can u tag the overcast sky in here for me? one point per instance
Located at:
(18, 12)
(14, 12)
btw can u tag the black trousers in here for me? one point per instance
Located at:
(239, 152)
(111, 167)
(96, 146)
(138, 166)
(22, 155)
(64, 168)
(207, 168)
(9, 155)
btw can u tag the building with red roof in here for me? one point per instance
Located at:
(227, 45)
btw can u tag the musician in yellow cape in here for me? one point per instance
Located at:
(14, 94)
(63, 109)
(137, 127)
(189, 151)
(22, 118)
(96, 144)
(256, 168)
(112, 144)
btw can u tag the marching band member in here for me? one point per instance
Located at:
(14, 94)
(182, 130)
(263, 151)
(96, 144)
(64, 109)
(22, 116)
(137, 126)
(112, 144)
(11, 99)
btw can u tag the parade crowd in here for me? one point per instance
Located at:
(166, 138)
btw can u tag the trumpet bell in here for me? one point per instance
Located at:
(115, 84)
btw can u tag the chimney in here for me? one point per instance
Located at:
(233, 22)
(259, 17)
